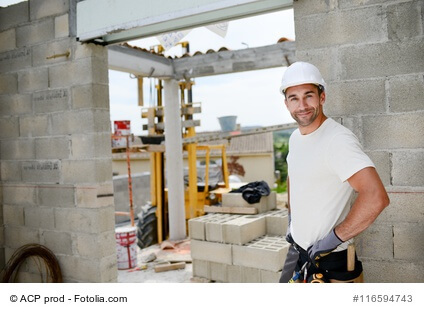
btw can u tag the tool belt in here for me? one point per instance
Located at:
(331, 268)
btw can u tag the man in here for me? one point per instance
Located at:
(325, 166)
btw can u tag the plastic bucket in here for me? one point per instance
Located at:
(228, 123)
(126, 247)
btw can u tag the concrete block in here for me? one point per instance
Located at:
(33, 80)
(13, 215)
(265, 204)
(8, 84)
(302, 8)
(17, 149)
(341, 27)
(408, 168)
(35, 126)
(323, 59)
(86, 171)
(41, 171)
(404, 207)
(215, 226)
(406, 93)
(88, 50)
(196, 227)
(201, 269)
(383, 271)
(250, 275)
(15, 60)
(346, 4)
(9, 127)
(244, 229)
(61, 26)
(270, 277)
(381, 160)
(43, 54)
(90, 96)
(57, 241)
(376, 242)
(80, 269)
(95, 245)
(360, 61)
(95, 196)
(234, 273)
(14, 15)
(218, 272)
(15, 105)
(35, 33)
(57, 196)
(393, 131)
(10, 171)
(408, 238)
(50, 100)
(404, 20)
(8, 40)
(277, 222)
(19, 194)
(42, 8)
(356, 97)
(52, 148)
(211, 251)
(81, 121)
(17, 236)
(266, 253)
(93, 220)
(37, 217)
(86, 146)
(109, 269)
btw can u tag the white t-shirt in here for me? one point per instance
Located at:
(319, 165)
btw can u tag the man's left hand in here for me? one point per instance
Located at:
(323, 246)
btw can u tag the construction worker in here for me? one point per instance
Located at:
(326, 165)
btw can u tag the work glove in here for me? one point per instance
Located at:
(323, 247)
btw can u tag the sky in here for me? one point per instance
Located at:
(252, 96)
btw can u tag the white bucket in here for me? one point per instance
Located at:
(126, 247)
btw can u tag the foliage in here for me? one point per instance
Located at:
(281, 150)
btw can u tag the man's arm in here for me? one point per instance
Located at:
(371, 201)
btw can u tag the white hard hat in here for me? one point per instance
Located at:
(300, 73)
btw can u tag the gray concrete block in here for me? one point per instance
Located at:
(196, 228)
(89, 270)
(37, 217)
(265, 204)
(234, 273)
(17, 149)
(59, 196)
(244, 229)
(15, 60)
(376, 242)
(266, 253)
(250, 275)
(277, 222)
(14, 15)
(360, 61)
(90, 96)
(404, 20)
(408, 168)
(393, 131)
(214, 226)
(61, 26)
(95, 245)
(42, 8)
(382, 162)
(13, 215)
(218, 272)
(211, 251)
(9, 127)
(382, 271)
(95, 196)
(108, 269)
(303, 8)
(33, 79)
(88, 50)
(52, 148)
(44, 54)
(356, 97)
(93, 220)
(50, 100)
(8, 40)
(408, 238)
(8, 84)
(81, 121)
(17, 236)
(19, 194)
(86, 146)
(35, 33)
(324, 59)
(404, 207)
(270, 277)
(406, 93)
(10, 171)
(348, 4)
(86, 171)
(201, 269)
(15, 105)
(57, 241)
(341, 27)
(35, 126)
(41, 171)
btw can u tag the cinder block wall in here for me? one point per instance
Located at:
(371, 54)
(56, 168)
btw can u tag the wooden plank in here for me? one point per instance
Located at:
(169, 267)
(231, 210)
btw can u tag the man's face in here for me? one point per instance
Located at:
(304, 103)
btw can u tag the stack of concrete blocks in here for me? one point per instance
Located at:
(371, 54)
(55, 146)
(238, 248)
